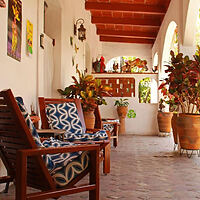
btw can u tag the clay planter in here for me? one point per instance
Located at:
(89, 119)
(188, 126)
(122, 112)
(164, 121)
(174, 128)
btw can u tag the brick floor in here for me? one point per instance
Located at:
(143, 168)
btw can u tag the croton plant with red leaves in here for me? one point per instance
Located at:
(182, 87)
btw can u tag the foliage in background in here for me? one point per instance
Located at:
(198, 30)
(88, 89)
(174, 45)
(145, 90)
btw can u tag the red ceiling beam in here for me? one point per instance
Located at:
(136, 8)
(135, 34)
(129, 21)
(126, 40)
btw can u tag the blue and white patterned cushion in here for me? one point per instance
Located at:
(28, 121)
(63, 167)
(99, 135)
(64, 116)
(110, 127)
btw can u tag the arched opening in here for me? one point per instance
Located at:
(171, 43)
(148, 91)
(197, 35)
(126, 64)
(155, 62)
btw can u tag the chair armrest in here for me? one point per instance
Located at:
(92, 130)
(114, 123)
(51, 150)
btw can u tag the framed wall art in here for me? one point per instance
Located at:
(14, 29)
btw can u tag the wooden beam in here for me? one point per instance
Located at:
(126, 40)
(126, 7)
(129, 21)
(135, 34)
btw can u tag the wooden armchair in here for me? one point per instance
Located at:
(23, 158)
(104, 144)
(111, 125)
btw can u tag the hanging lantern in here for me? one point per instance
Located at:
(81, 30)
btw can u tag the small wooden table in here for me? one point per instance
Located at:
(56, 133)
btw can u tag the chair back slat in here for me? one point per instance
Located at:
(15, 135)
(43, 102)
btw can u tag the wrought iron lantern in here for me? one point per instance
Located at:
(81, 29)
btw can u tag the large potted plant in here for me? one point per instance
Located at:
(122, 110)
(164, 119)
(90, 91)
(184, 84)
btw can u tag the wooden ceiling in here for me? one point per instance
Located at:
(127, 21)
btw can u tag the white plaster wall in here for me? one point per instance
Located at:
(21, 77)
(145, 122)
(111, 50)
(88, 49)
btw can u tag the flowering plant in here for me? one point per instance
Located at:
(90, 90)
(183, 82)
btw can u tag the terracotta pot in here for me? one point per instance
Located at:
(89, 118)
(174, 128)
(188, 126)
(164, 121)
(122, 112)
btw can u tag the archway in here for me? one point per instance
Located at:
(171, 43)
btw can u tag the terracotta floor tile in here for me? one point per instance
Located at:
(145, 168)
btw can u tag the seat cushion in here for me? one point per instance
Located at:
(28, 121)
(64, 116)
(64, 167)
(99, 135)
(110, 127)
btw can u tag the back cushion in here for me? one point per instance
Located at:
(28, 121)
(64, 116)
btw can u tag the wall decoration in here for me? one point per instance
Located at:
(121, 87)
(131, 114)
(2, 4)
(14, 29)
(76, 48)
(42, 40)
(71, 41)
(73, 60)
(29, 37)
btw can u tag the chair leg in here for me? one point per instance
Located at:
(106, 161)
(6, 187)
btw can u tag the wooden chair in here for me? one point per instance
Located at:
(104, 145)
(23, 161)
(100, 123)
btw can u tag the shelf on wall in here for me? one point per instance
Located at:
(125, 73)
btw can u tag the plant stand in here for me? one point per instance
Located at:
(122, 112)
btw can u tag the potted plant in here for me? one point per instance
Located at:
(90, 91)
(184, 84)
(122, 109)
(164, 119)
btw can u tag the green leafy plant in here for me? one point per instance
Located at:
(183, 83)
(121, 102)
(88, 89)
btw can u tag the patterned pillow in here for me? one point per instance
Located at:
(28, 121)
(64, 116)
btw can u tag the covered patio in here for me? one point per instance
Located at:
(47, 45)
